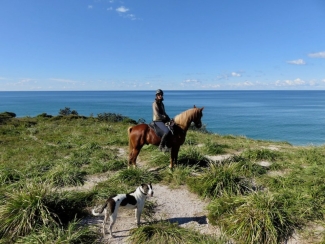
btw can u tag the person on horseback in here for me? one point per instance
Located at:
(160, 118)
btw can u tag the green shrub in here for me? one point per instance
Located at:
(112, 117)
(67, 111)
(44, 115)
(6, 116)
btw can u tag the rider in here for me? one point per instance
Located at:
(160, 117)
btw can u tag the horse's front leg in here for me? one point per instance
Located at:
(173, 156)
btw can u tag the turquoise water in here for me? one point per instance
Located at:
(297, 117)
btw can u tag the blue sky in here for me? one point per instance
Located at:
(173, 45)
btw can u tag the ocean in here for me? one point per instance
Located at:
(297, 117)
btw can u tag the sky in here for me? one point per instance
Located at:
(68, 45)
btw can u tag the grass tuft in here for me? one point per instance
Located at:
(24, 209)
(256, 218)
(165, 232)
(74, 233)
(65, 174)
(135, 177)
(218, 180)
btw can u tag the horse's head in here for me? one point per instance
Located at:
(197, 117)
(192, 115)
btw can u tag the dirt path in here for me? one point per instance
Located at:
(175, 205)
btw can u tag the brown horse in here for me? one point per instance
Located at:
(143, 134)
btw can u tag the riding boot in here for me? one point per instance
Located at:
(162, 145)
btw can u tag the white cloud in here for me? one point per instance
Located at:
(90, 6)
(192, 81)
(317, 55)
(122, 9)
(297, 62)
(62, 80)
(235, 74)
(296, 82)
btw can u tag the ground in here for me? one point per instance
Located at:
(175, 205)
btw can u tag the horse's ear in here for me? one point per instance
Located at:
(202, 108)
(194, 106)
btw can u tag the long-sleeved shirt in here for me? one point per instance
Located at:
(159, 113)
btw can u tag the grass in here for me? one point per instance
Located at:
(25, 208)
(256, 218)
(248, 202)
(162, 232)
(73, 233)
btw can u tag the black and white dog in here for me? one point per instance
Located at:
(134, 200)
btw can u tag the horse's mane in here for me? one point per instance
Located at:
(184, 119)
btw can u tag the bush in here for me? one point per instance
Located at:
(6, 116)
(44, 115)
(112, 117)
(67, 111)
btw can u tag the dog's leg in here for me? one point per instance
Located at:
(104, 222)
(137, 215)
(112, 222)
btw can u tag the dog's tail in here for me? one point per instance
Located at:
(100, 210)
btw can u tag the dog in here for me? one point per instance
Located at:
(133, 200)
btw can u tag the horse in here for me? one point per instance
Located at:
(142, 134)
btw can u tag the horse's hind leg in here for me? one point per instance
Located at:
(133, 157)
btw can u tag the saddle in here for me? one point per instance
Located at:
(158, 131)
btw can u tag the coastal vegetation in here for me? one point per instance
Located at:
(258, 191)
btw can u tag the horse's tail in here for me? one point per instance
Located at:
(129, 135)
(129, 130)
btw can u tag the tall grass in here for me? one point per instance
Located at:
(192, 157)
(178, 176)
(256, 218)
(74, 233)
(64, 174)
(165, 232)
(24, 209)
(135, 176)
(218, 180)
